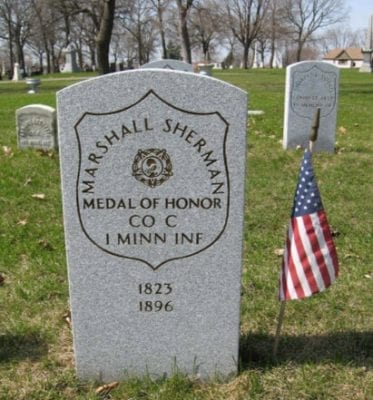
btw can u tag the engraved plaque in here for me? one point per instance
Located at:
(187, 210)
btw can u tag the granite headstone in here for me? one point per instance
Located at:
(36, 127)
(169, 64)
(311, 85)
(153, 168)
(367, 65)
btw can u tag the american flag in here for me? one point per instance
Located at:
(310, 262)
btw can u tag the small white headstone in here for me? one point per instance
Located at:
(16, 72)
(36, 127)
(311, 85)
(153, 171)
(175, 65)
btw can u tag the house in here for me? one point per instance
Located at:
(351, 57)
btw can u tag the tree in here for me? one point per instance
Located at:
(160, 6)
(305, 17)
(16, 16)
(173, 50)
(205, 24)
(341, 37)
(184, 7)
(139, 20)
(105, 28)
(246, 18)
(100, 15)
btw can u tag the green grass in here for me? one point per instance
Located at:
(326, 346)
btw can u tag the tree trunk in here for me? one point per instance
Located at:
(53, 59)
(10, 43)
(161, 30)
(299, 50)
(19, 49)
(104, 36)
(41, 61)
(92, 55)
(185, 41)
(245, 59)
(140, 46)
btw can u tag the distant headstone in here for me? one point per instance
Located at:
(36, 127)
(311, 85)
(169, 64)
(16, 72)
(153, 170)
(71, 64)
(367, 65)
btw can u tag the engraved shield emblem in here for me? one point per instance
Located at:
(153, 182)
(313, 89)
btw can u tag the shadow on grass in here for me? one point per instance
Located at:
(19, 347)
(353, 348)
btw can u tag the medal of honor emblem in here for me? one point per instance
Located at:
(152, 167)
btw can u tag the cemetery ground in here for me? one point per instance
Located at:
(326, 346)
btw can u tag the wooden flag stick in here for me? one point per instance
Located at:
(313, 137)
(314, 129)
(279, 325)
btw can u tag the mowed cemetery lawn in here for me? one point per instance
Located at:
(326, 346)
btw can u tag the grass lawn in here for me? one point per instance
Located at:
(326, 350)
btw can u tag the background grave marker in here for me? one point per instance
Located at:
(169, 64)
(311, 85)
(36, 127)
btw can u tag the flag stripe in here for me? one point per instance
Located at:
(314, 253)
(287, 281)
(327, 247)
(300, 282)
(319, 244)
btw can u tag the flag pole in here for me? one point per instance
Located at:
(312, 139)
(314, 129)
(278, 329)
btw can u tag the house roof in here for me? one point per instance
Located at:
(350, 53)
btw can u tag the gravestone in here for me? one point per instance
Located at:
(71, 64)
(36, 127)
(153, 168)
(311, 85)
(16, 72)
(169, 64)
(368, 49)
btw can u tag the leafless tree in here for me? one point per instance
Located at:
(246, 19)
(138, 18)
(16, 18)
(101, 15)
(341, 37)
(305, 17)
(205, 26)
